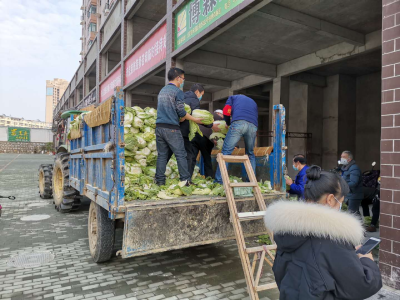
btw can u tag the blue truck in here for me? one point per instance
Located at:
(92, 165)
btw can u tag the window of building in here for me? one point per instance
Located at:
(49, 91)
(92, 27)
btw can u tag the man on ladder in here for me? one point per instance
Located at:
(241, 114)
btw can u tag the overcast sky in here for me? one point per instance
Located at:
(39, 41)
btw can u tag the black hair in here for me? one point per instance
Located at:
(197, 87)
(300, 158)
(321, 182)
(174, 72)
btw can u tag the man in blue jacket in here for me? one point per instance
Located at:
(297, 186)
(170, 109)
(241, 113)
(351, 173)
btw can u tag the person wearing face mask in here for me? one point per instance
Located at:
(297, 186)
(351, 173)
(316, 252)
(170, 109)
(198, 143)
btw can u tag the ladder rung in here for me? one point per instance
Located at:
(267, 286)
(235, 158)
(254, 215)
(243, 184)
(260, 248)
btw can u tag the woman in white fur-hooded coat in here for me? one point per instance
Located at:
(316, 256)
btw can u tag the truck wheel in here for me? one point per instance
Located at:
(45, 181)
(64, 196)
(101, 231)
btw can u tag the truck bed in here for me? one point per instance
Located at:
(163, 225)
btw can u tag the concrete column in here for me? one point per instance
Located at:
(279, 95)
(314, 125)
(347, 114)
(128, 98)
(297, 121)
(330, 123)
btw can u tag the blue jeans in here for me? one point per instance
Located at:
(170, 140)
(237, 130)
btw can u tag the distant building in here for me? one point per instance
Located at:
(54, 90)
(9, 121)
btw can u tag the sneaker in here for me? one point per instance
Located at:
(371, 228)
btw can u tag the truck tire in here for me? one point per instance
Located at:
(101, 230)
(46, 181)
(64, 196)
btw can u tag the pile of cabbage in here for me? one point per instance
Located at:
(141, 160)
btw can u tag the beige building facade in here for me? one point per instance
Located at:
(54, 90)
(9, 121)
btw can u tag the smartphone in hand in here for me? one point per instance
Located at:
(368, 246)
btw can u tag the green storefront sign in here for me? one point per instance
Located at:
(197, 15)
(16, 134)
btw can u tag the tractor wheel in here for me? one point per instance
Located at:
(64, 196)
(101, 230)
(45, 181)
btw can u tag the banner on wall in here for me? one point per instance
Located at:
(152, 52)
(16, 134)
(197, 15)
(108, 85)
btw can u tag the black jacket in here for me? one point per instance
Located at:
(352, 175)
(194, 103)
(316, 257)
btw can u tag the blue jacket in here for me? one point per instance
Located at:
(297, 187)
(170, 107)
(351, 173)
(243, 108)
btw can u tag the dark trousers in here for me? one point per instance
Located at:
(354, 206)
(189, 153)
(376, 206)
(170, 141)
(205, 146)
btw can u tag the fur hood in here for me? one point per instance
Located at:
(308, 219)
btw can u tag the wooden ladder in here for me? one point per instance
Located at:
(252, 282)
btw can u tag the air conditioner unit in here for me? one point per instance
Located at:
(107, 8)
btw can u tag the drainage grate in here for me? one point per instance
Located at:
(35, 218)
(30, 260)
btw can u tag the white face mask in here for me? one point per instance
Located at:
(343, 161)
(340, 207)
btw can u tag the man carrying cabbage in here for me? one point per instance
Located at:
(241, 113)
(170, 109)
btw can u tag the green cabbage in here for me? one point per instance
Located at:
(150, 171)
(137, 122)
(130, 141)
(149, 136)
(134, 130)
(205, 116)
(222, 127)
(152, 145)
(217, 135)
(200, 191)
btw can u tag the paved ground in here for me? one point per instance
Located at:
(206, 272)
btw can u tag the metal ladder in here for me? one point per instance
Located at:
(252, 282)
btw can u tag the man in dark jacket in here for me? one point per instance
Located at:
(193, 98)
(351, 173)
(205, 146)
(170, 109)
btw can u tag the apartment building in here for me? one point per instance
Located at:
(54, 90)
